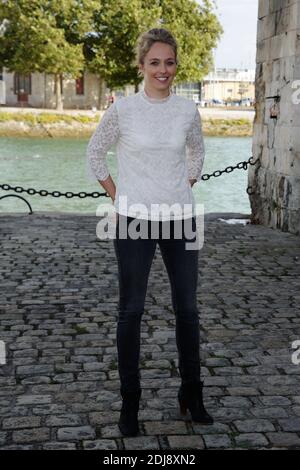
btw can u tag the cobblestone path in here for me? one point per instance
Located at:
(59, 388)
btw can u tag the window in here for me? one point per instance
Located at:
(189, 90)
(80, 85)
(22, 84)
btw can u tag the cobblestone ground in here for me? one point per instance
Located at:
(58, 304)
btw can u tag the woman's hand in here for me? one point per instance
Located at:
(109, 187)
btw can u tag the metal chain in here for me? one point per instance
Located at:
(229, 169)
(43, 192)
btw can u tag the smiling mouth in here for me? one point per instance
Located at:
(162, 79)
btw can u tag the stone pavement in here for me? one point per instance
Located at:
(58, 304)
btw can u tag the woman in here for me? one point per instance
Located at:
(160, 156)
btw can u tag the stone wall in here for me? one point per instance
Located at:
(275, 181)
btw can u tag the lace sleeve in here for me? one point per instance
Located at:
(105, 135)
(195, 150)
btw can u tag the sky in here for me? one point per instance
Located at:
(237, 46)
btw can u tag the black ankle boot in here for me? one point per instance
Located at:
(190, 397)
(128, 422)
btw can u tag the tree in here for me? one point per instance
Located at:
(110, 48)
(243, 88)
(65, 36)
(197, 31)
(45, 36)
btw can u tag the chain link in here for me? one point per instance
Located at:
(43, 192)
(229, 169)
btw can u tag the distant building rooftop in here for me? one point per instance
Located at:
(231, 75)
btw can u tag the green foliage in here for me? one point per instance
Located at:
(18, 117)
(67, 36)
(110, 50)
(211, 126)
(47, 118)
(197, 31)
(44, 36)
(227, 127)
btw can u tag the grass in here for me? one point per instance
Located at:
(227, 127)
(211, 127)
(46, 118)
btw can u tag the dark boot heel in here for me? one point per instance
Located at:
(128, 422)
(182, 406)
(190, 397)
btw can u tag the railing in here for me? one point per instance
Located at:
(43, 192)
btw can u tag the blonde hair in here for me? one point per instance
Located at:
(146, 40)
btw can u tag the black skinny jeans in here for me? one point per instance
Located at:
(134, 258)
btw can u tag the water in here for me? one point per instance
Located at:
(59, 164)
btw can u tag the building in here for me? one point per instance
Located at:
(229, 85)
(89, 91)
(38, 90)
(221, 85)
(191, 91)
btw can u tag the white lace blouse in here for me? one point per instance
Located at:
(159, 147)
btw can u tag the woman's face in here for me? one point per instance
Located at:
(159, 68)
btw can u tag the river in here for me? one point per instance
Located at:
(59, 164)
